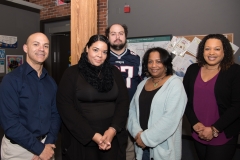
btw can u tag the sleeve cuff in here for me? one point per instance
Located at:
(38, 147)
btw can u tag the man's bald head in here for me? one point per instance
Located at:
(36, 49)
(37, 34)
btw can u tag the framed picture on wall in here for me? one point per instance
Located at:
(13, 61)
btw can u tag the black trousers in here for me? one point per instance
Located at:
(220, 152)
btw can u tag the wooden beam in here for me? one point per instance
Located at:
(83, 26)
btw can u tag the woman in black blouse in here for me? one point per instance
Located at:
(93, 103)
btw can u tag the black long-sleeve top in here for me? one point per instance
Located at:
(79, 104)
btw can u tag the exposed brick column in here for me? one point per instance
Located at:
(102, 16)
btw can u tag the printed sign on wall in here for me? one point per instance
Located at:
(8, 41)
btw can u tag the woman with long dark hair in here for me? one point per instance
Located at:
(93, 103)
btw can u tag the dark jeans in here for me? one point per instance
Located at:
(146, 154)
(220, 152)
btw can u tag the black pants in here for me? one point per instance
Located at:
(220, 152)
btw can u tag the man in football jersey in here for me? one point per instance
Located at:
(128, 63)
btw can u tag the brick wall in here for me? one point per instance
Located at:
(102, 16)
(52, 10)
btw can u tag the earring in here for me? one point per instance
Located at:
(166, 69)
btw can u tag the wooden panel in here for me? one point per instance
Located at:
(83, 25)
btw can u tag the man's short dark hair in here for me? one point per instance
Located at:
(107, 31)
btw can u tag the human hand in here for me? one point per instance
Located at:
(139, 140)
(48, 152)
(138, 135)
(35, 157)
(108, 137)
(206, 134)
(97, 138)
(198, 127)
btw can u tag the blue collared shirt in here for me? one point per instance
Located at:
(28, 108)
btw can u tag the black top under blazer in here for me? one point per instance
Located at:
(227, 93)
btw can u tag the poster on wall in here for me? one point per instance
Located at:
(1, 65)
(2, 53)
(140, 45)
(13, 61)
(8, 41)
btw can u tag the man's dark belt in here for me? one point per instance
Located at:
(39, 138)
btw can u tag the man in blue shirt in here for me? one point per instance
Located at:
(128, 63)
(28, 112)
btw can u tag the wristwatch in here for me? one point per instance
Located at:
(214, 132)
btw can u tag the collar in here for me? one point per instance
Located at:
(119, 56)
(28, 69)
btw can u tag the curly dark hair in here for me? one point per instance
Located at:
(227, 49)
(107, 31)
(100, 77)
(166, 60)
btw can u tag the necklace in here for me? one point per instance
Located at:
(211, 68)
(155, 84)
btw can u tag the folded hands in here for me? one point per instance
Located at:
(104, 141)
(204, 133)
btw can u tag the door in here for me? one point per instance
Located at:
(60, 49)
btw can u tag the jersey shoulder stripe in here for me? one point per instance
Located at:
(133, 53)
